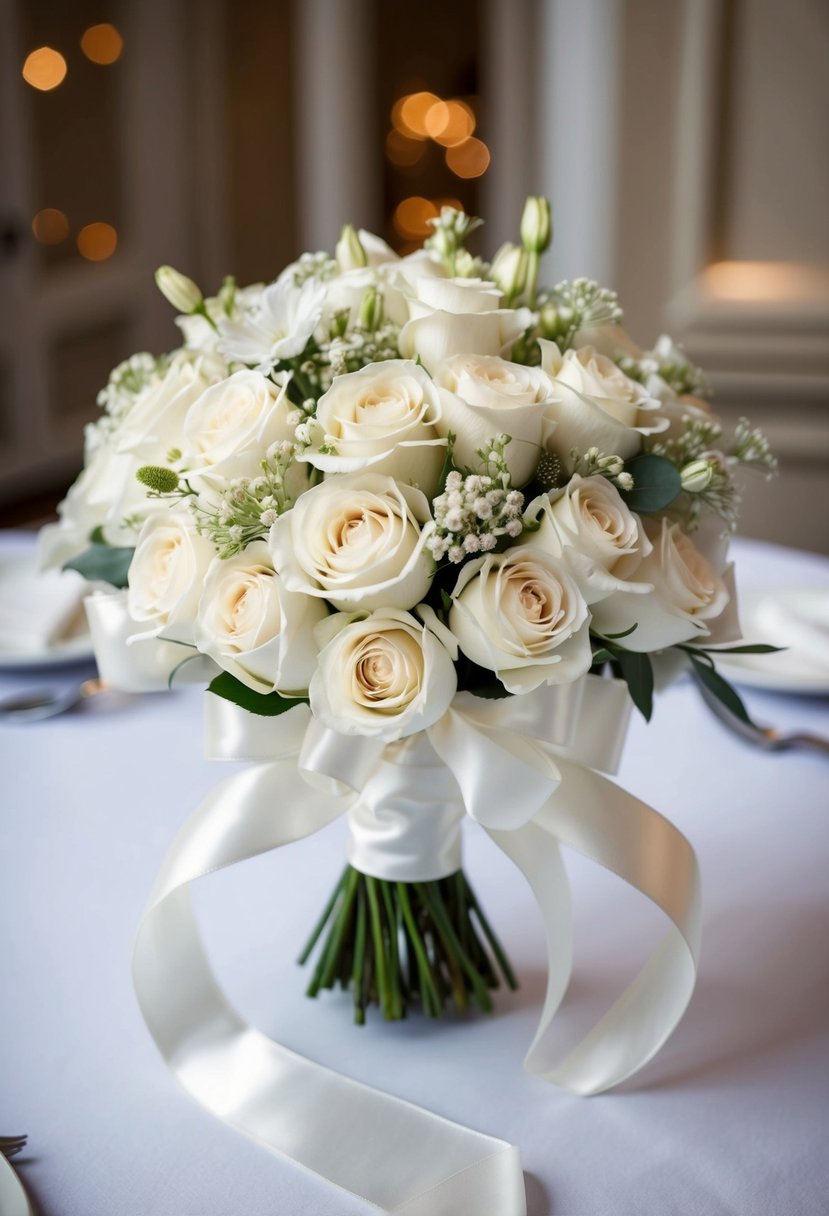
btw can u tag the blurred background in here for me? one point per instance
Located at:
(683, 144)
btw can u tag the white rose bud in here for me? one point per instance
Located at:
(358, 541)
(509, 269)
(688, 601)
(253, 627)
(386, 676)
(536, 224)
(167, 572)
(350, 253)
(696, 476)
(521, 615)
(181, 292)
(601, 540)
(459, 316)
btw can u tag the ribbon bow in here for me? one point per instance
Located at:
(525, 769)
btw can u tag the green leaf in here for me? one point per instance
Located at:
(603, 655)
(656, 483)
(448, 465)
(637, 672)
(96, 536)
(720, 687)
(753, 648)
(265, 704)
(103, 563)
(615, 637)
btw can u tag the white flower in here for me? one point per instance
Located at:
(692, 597)
(521, 615)
(386, 676)
(278, 328)
(489, 396)
(608, 339)
(180, 291)
(358, 541)
(155, 424)
(253, 627)
(228, 430)
(459, 316)
(166, 574)
(595, 405)
(602, 541)
(384, 417)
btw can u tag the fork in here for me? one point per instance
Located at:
(9, 1145)
(766, 737)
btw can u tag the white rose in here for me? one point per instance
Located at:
(167, 572)
(230, 427)
(691, 599)
(358, 541)
(601, 540)
(596, 405)
(489, 396)
(521, 615)
(253, 627)
(385, 418)
(155, 424)
(609, 340)
(459, 316)
(386, 676)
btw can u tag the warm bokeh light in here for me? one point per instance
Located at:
(411, 216)
(102, 43)
(44, 69)
(450, 122)
(97, 242)
(469, 159)
(764, 282)
(409, 114)
(50, 226)
(403, 151)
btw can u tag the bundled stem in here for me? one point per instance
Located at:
(398, 945)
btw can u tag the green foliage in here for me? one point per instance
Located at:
(102, 563)
(656, 483)
(267, 705)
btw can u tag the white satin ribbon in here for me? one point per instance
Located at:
(421, 1164)
(138, 664)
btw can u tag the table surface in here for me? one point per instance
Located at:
(731, 1116)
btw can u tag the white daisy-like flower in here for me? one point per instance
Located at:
(278, 328)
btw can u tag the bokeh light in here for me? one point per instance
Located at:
(44, 69)
(102, 43)
(403, 151)
(50, 226)
(457, 122)
(409, 114)
(97, 242)
(412, 215)
(469, 159)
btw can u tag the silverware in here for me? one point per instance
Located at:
(47, 703)
(10, 1145)
(765, 737)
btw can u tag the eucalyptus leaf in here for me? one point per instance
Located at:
(103, 564)
(721, 688)
(656, 483)
(267, 705)
(637, 672)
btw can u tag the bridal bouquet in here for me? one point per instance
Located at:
(407, 505)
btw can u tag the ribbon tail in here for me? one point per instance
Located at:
(601, 821)
(397, 1157)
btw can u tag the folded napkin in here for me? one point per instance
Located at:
(38, 608)
(798, 619)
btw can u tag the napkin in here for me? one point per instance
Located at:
(38, 608)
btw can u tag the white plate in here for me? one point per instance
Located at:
(19, 580)
(13, 1199)
(796, 618)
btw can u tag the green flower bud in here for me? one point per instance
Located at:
(181, 292)
(155, 477)
(696, 477)
(536, 225)
(509, 269)
(371, 310)
(349, 252)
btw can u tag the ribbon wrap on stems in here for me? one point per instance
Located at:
(524, 767)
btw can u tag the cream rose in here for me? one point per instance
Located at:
(521, 615)
(595, 405)
(489, 396)
(691, 599)
(385, 418)
(459, 316)
(231, 426)
(255, 628)
(358, 541)
(601, 540)
(386, 676)
(167, 573)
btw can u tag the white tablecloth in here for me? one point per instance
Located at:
(731, 1117)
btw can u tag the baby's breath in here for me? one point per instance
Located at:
(594, 463)
(570, 306)
(476, 509)
(249, 506)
